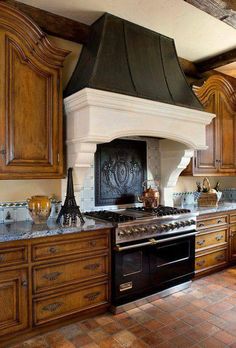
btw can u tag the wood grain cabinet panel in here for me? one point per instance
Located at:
(214, 221)
(70, 272)
(31, 144)
(211, 260)
(82, 245)
(232, 235)
(13, 256)
(55, 307)
(211, 239)
(217, 96)
(14, 301)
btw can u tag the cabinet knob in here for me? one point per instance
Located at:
(219, 237)
(201, 242)
(201, 224)
(24, 283)
(53, 250)
(219, 221)
(200, 263)
(92, 296)
(52, 276)
(92, 243)
(92, 266)
(52, 307)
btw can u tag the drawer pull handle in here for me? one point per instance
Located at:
(52, 276)
(92, 296)
(52, 307)
(200, 263)
(219, 237)
(201, 242)
(24, 283)
(53, 250)
(220, 258)
(201, 224)
(2, 258)
(219, 221)
(92, 266)
(92, 243)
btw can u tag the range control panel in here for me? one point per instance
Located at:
(130, 232)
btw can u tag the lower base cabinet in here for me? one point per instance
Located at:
(46, 281)
(13, 301)
(215, 246)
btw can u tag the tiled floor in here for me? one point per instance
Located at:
(201, 316)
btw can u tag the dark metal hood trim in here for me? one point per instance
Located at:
(126, 58)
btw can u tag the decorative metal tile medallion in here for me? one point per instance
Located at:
(120, 169)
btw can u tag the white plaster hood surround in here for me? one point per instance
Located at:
(96, 116)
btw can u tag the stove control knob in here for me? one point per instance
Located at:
(128, 232)
(187, 223)
(192, 222)
(171, 226)
(177, 225)
(154, 228)
(182, 223)
(160, 228)
(121, 233)
(165, 227)
(136, 230)
(143, 229)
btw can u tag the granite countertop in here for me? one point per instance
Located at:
(27, 230)
(222, 207)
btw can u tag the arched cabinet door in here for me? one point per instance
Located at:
(218, 95)
(31, 142)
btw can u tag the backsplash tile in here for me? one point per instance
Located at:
(17, 211)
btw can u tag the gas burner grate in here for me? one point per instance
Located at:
(109, 216)
(161, 210)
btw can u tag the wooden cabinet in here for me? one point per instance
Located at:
(31, 144)
(211, 244)
(14, 301)
(217, 96)
(50, 279)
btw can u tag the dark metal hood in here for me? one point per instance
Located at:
(125, 58)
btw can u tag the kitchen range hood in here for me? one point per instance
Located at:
(128, 82)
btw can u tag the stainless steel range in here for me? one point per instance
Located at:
(152, 250)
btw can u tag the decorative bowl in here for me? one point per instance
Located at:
(39, 208)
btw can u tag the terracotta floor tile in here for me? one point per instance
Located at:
(219, 307)
(56, 340)
(98, 334)
(125, 337)
(225, 337)
(109, 342)
(138, 330)
(153, 325)
(128, 322)
(179, 326)
(152, 340)
(112, 328)
(212, 342)
(104, 319)
(38, 342)
(88, 324)
(182, 341)
(80, 341)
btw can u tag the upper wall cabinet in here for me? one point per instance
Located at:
(218, 95)
(31, 142)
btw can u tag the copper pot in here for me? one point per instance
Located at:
(150, 198)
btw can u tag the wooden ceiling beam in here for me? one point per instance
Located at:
(53, 24)
(217, 61)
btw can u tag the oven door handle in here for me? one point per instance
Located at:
(153, 241)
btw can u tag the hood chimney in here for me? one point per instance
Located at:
(128, 82)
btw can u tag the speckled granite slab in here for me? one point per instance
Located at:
(222, 207)
(26, 230)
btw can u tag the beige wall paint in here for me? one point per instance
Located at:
(18, 190)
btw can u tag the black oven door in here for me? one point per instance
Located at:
(172, 261)
(130, 274)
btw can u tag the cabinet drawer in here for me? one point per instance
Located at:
(232, 218)
(73, 246)
(212, 222)
(70, 272)
(48, 309)
(209, 260)
(211, 239)
(13, 256)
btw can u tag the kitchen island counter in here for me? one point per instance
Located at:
(27, 230)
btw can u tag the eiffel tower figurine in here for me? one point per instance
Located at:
(70, 210)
